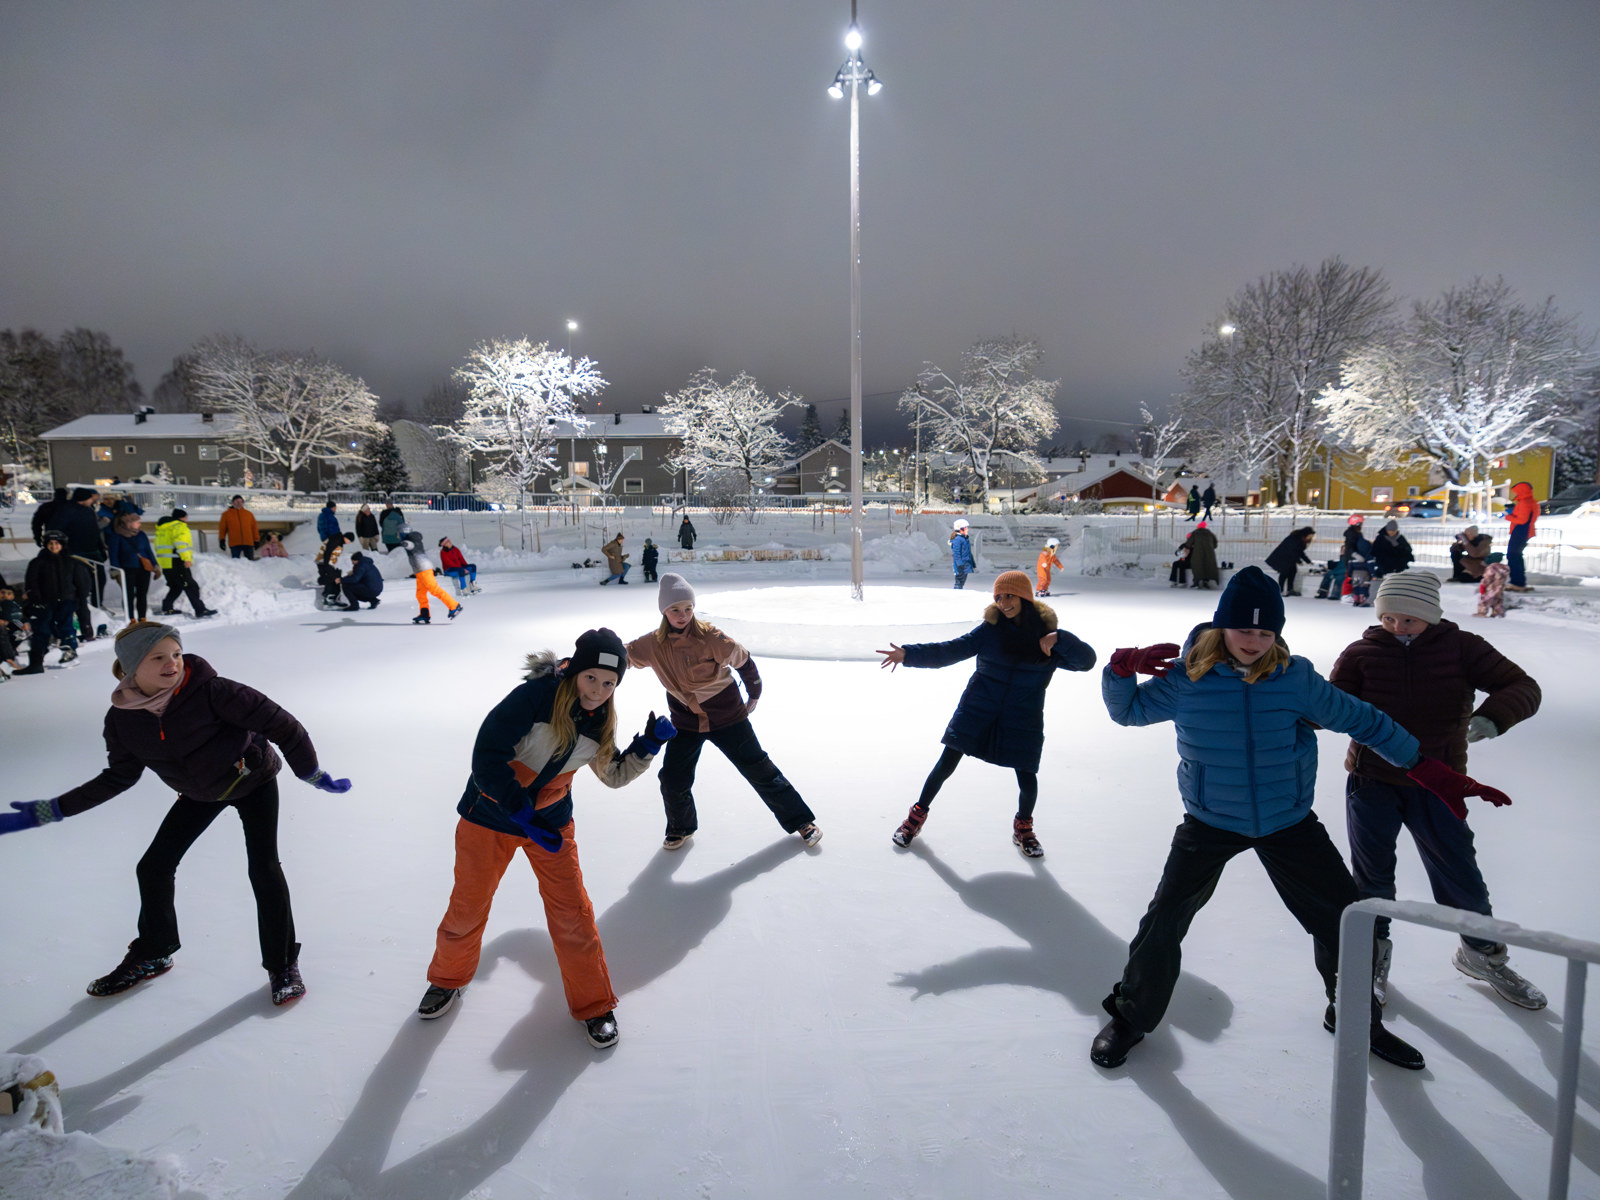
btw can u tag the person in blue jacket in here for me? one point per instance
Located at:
(134, 559)
(961, 560)
(328, 522)
(1000, 718)
(1245, 712)
(362, 583)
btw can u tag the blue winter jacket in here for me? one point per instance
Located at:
(1247, 753)
(1000, 717)
(327, 524)
(125, 550)
(961, 560)
(365, 579)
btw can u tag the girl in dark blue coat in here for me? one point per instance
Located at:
(1000, 718)
(132, 555)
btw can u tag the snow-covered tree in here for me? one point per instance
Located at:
(1279, 343)
(810, 431)
(1157, 440)
(726, 426)
(995, 404)
(432, 464)
(521, 399)
(1472, 376)
(384, 470)
(841, 430)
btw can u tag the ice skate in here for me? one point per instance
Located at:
(1111, 1045)
(809, 834)
(911, 826)
(675, 841)
(1384, 1044)
(602, 1030)
(286, 984)
(454, 613)
(437, 1001)
(1022, 837)
(131, 970)
(1380, 970)
(422, 618)
(1492, 969)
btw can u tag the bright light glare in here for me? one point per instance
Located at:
(852, 38)
(1227, 331)
(873, 87)
(835, 90)
(572, 327)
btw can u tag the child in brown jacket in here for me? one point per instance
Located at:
(1425, 672)
(695, 662)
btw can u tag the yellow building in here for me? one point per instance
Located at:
(1346, 482)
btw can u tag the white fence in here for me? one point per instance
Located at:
(1347, 1137)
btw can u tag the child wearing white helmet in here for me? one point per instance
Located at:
(1047, 560)
(961, 560)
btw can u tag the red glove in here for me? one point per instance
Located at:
(1452, 787)
(1151, 660)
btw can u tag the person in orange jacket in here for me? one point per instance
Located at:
(1524, 511)
(1047, 559)
(237, 529)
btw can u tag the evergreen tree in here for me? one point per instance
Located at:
(810, 430)
(841, 431)
(384, 470)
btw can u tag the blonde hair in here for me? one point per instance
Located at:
(1210, 648)
(695, 626)
(566, 731)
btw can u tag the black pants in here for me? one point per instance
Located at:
(1286, 581)
(185, 821)
(52, 620)
(180, 582)
(740, 745)
(136, 587)
(1305, 868)
(355, 595)
(1027, 783)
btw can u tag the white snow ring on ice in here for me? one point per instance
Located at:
(822, 621)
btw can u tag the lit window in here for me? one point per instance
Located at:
(102, 483)
(99, 453)
(833, 472)
(581, 468)
(208, 452)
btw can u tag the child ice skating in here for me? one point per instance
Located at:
(1047, 561)
(695, 662)
(519, 797)
(961, 560)
(210, 740)
(1425, 672)
(1244, 710)
(427, 585)
(1000, 718)
(648, 558)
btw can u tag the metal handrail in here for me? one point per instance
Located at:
(1353, 1004)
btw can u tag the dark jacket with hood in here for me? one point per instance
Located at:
(1202, 545)
(1428, 688)
(81, 527)
(51, 577)
(42, 514)
(366, 524)
(1000, 717)
(1391, 553)
(128, 548)
(364, 579)
(1290, 553)
(212, 743)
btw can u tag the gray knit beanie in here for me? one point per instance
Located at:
(1410, 594)
(138, 641)
(675, 589)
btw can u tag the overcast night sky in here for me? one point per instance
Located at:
(390, 183)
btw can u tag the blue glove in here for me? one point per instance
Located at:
(538, 834)
(658, 731)
(29, 815)
(321, 779)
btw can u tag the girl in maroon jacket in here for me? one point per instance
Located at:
(1425, 673)
(208, 739)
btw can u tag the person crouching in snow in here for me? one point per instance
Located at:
(422, 566)
(1425, 672)
(1047, 560)
(209, 739)
(364, 582)
(519, 797)
(1000, 717)
(695, 662)
(1245, 709)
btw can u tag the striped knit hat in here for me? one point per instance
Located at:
(1410, 594)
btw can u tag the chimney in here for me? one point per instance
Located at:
(616, 418)
(647, 408)
(139, 417)
(206, 418)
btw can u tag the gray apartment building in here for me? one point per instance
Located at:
(637, 441)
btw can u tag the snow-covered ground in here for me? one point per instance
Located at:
(847, 1021)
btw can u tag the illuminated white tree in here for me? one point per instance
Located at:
(726, 427)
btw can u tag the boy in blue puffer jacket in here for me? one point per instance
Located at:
(1245, 709)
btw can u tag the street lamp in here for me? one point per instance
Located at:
(572, 443)
(853, 74)
(1227, 330)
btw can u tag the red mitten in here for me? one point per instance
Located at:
(1148, 660)
(1453, 787)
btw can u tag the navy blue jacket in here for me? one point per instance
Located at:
(327, 524)
(81, 528)
(961, 555)
(365, 579)
(125, 550)
(1000, 717)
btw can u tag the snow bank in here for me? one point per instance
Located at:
(74, 1166)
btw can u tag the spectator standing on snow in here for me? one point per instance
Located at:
(1390, 551)
(695, 662)
(42, 515)
(392, 524)
(422, 568)
(648, 558)
(175, 556)
(52, 584)
(686, 533)
(1047, 560)
(616, 561)
(1287, 556)
(1244, 710)
(519, 797)
(455, 564)
(364, 582)
(79, 523)
(237, 529)
(1202, 545)
(1467, 555)
(1000, 718)
(134, 558)
(1208, 498)
(207, 738)
(1523, 515)
(1192, 504)
(962, 563)
(328, 522)
(1425, 673)
(366, 528)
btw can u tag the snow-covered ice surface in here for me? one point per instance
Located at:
(849, 1021)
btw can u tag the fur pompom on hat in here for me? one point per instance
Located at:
(1013, 583)
(1250, 601)
(597, 650)
(1410, 594)
(674, 589)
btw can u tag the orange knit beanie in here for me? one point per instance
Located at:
(1013, 583)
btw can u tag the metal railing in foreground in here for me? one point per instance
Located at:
(1347, 1138)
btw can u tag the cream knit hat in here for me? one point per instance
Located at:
(1410, 594)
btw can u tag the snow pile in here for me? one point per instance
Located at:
(907, 552)
(74, 1166)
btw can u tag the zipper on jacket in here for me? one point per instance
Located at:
(243, 771)
(1250, 765)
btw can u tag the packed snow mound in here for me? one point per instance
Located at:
(75, 1166)
(824, 622)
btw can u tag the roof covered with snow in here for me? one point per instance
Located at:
(156, 425)
(617, 425)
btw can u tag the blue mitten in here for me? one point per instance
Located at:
(321, 779)
(29, 815)
(538, 834)
(657, 732)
